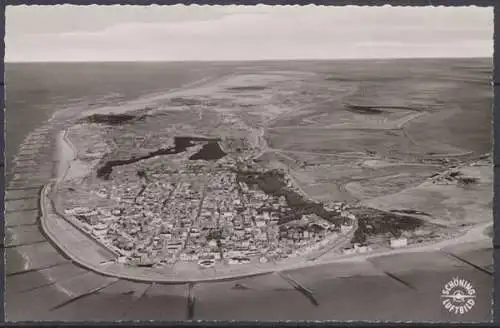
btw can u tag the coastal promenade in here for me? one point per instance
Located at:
(42, 276)
(403, 285)
(60, 274)
(85, 251)
(88, 252)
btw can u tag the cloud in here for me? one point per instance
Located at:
(261, 32)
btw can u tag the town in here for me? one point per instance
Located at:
(201, 212)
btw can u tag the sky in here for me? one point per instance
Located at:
(176, 33)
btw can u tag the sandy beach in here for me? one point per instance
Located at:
(184, 273)
(60, 273)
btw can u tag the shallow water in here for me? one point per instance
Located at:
(35, 92)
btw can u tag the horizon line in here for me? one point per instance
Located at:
(236, 60)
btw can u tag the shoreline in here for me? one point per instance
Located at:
(43, 284)
(474, 235)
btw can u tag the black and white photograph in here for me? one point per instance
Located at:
(250, 163)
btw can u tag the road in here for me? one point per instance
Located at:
(336, 244)
(361, 287)
(41, 284)
(197, 214)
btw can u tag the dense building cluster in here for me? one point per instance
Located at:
(201, 213)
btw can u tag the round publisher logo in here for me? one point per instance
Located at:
(458, 296)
